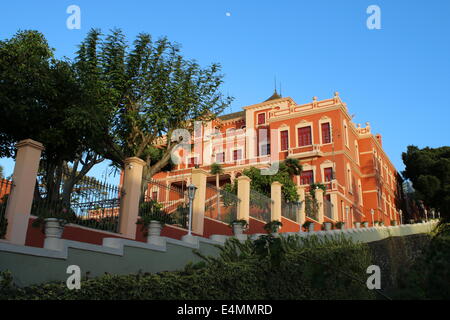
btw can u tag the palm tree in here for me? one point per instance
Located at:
(217, 170)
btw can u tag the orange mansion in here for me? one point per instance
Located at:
(362, 183)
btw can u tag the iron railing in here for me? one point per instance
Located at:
(327, 208)
(220, 205)
(290, 210)
(172, 201)
(311, 207)
(91, 203)
(260, 206)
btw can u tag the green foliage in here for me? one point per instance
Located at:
(273, 226)
(339, 224)
(311, 206)
(307, 224)
(269, 268)
(3, 219)
(152, 211)
(51, 209)
(262, 183)
(242, 222)
(429, 171)
(429, 275)
(315, 186)
(44, 99)
(216, 168)
(153, 90)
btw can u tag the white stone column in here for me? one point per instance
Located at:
(334, 203)
(275, 194)
(129, 206)
(198, 207)
(21, 196)
(319, 197)
(301, 218)
(244, 197)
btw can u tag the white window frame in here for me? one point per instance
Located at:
(322, 121)
(302, 125)
(284, 128)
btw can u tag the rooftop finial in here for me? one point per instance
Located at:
(275, 84)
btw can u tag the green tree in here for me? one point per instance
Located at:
(217, 170)
(429, 171)
(42, 99)
(262, 183)
(152, 91)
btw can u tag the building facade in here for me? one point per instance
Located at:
(362, 183)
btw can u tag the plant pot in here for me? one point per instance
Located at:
(393, 223)
(366, 224)
(53, 228)
(341, 226)
(327, 226)
(412, 221)
(238, 229)
(357, 224)
(376, 224)
(154, 228)
(311, 227)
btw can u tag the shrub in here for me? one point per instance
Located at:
(269, 268)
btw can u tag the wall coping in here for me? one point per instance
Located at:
(115, 246)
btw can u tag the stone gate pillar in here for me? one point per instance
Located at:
(21, 197)
(129, 206)
(243, 212)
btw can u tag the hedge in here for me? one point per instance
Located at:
(272, 268)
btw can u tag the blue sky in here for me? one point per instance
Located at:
(397, 78)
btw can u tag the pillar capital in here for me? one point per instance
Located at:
(30, 143)
(243, 178)
(134, 160)
(199, 171)
(277, 183)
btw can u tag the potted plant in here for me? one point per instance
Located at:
(412, 221)
(357, 224)
(273, 226)
(327, 226)
(152, 218)
(393, 222)
(340, 225)
(365, 224)
(309, 226)
(52, 216)
(381, 223)
(238, 226)
(376, 223)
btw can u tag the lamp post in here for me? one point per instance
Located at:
(191, 195)
(372, 212)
